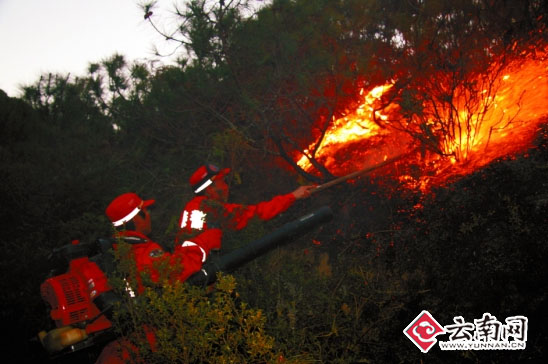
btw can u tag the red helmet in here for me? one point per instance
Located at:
(124, 208)
(205, 175)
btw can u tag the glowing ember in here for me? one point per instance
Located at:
(474, 127)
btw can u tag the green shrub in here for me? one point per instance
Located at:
(189, 325)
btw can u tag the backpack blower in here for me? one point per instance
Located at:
(81, 300)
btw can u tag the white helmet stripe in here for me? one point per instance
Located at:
(203, 186)
(128, 217)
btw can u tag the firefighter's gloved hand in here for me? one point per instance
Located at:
(303, 192)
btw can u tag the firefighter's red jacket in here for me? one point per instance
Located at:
(204, 215)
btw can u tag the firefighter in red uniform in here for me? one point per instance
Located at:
(210, 212)
(129, 212)
(197, 237)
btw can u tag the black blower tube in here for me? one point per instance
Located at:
(241, 256)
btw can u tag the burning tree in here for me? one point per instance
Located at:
(459, 118)
(459, 92)
(458, 115)
(464, 84)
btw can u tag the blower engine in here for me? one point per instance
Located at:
(81, 299)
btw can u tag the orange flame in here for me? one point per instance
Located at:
(470, 131)
(357, 125)
(501, 117)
